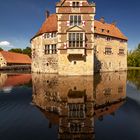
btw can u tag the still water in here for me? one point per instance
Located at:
(50, 107)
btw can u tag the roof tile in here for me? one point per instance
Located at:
(50, 25)
(16, 58)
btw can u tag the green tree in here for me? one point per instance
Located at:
(27, 51)
(1, 49)
(16, 50)
(133, 58)
(139, 47)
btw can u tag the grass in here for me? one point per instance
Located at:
(133, 68)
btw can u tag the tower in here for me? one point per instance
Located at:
(75, 37)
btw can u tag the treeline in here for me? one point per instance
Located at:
(27, 50)
(133, 58)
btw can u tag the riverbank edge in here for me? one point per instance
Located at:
(133, 68)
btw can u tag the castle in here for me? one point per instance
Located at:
(72, 42)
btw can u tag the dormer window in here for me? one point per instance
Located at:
(50, 35)
(102, 30)
(75, 4)
(108, 38)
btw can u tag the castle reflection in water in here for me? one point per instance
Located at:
(73, 103)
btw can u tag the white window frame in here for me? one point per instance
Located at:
(50, 49)
(73, 24)
(75, 46)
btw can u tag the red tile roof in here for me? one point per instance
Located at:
(50, 25)
(111, 109)
(14, 80)
(16, 58)
(108, 29)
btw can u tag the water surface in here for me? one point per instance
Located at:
(41, 106)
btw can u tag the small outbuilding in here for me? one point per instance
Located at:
(12, 58)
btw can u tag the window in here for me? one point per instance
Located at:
(53, 35)
(108, 38)
(108, 51)
(123, 41)
(75, 128)
(97, 36)
(102, 30)
(50, 49)
(47, 49)
(120, 89)
(33, 53)
(119, 64)
(95, 29)
(75, 4)
(121, 51)
(76, 40)
(54, 51)
(109, 64)
(75, 20)
(76, 111)
(49, 35)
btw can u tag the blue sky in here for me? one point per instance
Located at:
(21, 19)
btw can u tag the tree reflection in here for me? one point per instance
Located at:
(134, 77)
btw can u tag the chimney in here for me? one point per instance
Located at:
(102, 19)
(47, 13)
(114, 23)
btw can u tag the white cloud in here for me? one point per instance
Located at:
(4, 43)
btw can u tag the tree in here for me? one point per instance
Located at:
(27, 51)
(1, 49)
(139, 46)
(16, 50)
(133, 58)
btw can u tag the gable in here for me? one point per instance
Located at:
(75, 29)
(60, 3)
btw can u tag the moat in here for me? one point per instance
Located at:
(50, 107)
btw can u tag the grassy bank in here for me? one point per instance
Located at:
(133, 68)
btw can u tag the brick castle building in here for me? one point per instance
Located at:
(72, 42)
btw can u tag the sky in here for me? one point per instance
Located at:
(21, 19)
